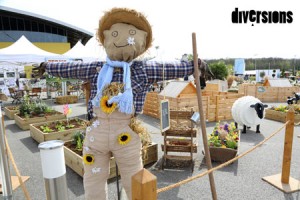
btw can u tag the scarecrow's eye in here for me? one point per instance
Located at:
(114, 34)
(132, 32)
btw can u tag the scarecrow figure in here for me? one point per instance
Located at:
(118, 90)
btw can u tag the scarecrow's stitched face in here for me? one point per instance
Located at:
(124, 42)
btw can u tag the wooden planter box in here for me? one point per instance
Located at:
(74, 161)
(66, 99)
(24, 123)
(219, 154)
(65, 135)
(279, 116)
(9, 112)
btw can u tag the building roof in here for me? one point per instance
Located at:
(279, 82)
(73, 33)
(175, 88)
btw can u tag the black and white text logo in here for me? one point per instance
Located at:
(265, 17)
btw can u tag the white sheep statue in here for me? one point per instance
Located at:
(248, 111)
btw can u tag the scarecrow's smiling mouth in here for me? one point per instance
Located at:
(121, 46)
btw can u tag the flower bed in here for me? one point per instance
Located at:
(224, 142)
(24, 122)
(10, 111)
(279, 113)
(33, 112)
(57, 130)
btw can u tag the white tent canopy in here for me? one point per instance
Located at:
(23, 52)
(92, 51)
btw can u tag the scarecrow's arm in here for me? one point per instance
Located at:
(159, 71)
(77, 70)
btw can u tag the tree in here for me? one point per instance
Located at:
(262, 75)
(219, 69)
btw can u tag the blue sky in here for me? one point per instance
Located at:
(174, 21)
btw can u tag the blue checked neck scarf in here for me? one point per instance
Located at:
(124, 100)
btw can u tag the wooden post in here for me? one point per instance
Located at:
(217, 108)
(288, 143)
(202, 119)
(144, 186)
(283, 181)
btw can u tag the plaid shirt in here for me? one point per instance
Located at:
(143, 74)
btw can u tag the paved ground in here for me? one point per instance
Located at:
(240, 180)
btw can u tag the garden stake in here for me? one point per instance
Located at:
(202, 120)
(117, 174)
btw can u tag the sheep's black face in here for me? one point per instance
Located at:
(297, 95)
(259, 108)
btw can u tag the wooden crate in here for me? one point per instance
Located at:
(9, 112)
(24, 123)
(66, 99)
(74, 161)
(279, 116)
(65, 135)
(151, 105)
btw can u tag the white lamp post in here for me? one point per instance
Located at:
(54, 169)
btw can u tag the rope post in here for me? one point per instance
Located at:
(288, 143)
(283, 181)
(202, 119)
(143, 186)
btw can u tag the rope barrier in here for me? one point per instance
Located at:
(16, 170)
(220, 166)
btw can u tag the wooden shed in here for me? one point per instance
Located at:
(178, 89)
(279, 82)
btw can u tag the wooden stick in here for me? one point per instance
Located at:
(202, 119)
(288, 143)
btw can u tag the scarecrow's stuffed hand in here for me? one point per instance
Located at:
(38, 70)
(204, 68)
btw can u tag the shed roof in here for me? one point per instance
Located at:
(280, 82)
(175, 88)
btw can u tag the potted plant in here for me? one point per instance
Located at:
(34, 112)
(224, 142)
(57, 130)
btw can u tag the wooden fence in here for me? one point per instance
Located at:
(268, 93)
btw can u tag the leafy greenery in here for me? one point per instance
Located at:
(28, 108)
(219, 70)
(46, 129)
(78, 139)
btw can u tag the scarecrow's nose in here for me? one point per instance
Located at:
(130, 41)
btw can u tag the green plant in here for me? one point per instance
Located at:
(25, 107)
(224, 136)
(78, 139)
(46, 129)
(60, 127)
(70, 125)
(219, 70)
(79, 122)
